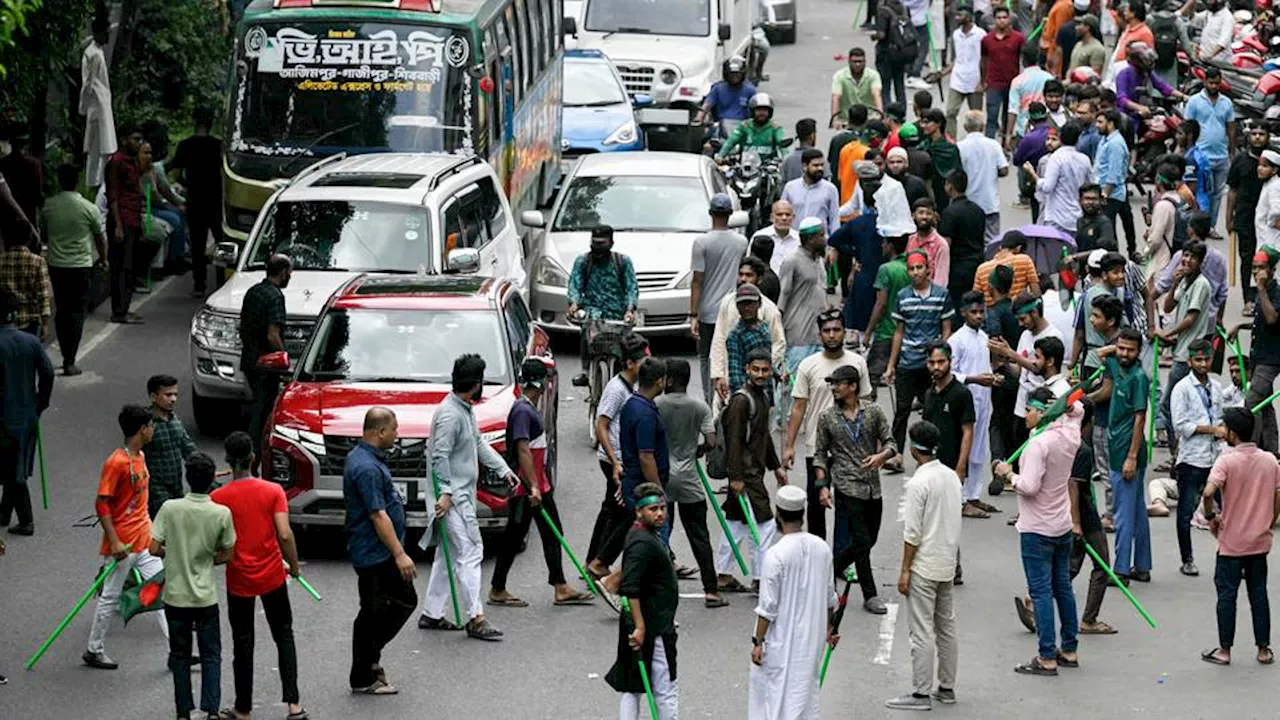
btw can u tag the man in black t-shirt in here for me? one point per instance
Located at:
(965, 224)
(1242, 200)
(262, 329)
(1087, 528)
(199, 157)
(949, 406)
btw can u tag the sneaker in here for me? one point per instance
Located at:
(916, 83)
(71, 370)
(946, 696)
(4, 680)
(377, 688)
(1143, 576)
(483, 630)
(910, 701)
(608, 597)
(580, 380)
(24, 530)
(874, 605)
(430, 623)
(99, 660)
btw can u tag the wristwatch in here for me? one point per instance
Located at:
(757, 642)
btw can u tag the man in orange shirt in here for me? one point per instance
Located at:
(1135, 30)
(126, 528)
(1059, 14)
(1012, 253)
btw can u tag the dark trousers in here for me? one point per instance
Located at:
(13, 479)
(204, 622)
(693, 516)
(705, 332)
(922, 54)
(71, 303)
(202, 222)
(612, 522)
(857, 528)
(121, 263)
(817, 515)
(264, 387)
(1098, 578)
(893, 79)
(1122, 208)
(240, 614)
(386, 602)
(1226, 578)
(1002, 422)
(1246, 246)
(1260, 382)
(522, 513)
(907, 386)
(1191, 482)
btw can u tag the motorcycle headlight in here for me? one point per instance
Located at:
(626, 133)
(216, 331)
(548, 272)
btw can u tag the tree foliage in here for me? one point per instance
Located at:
(13, 23)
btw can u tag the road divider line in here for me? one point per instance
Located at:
(888, 625)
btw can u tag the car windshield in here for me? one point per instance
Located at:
(589, 83)
(635, 204)
(650, 17)
(308, 89)
(365, 345)
(344, 235)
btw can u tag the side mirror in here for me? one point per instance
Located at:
(641, 100)
(786, 142)
(569, 25)
(275, 363)
(726, 31)
(739, 219)
(462, 261)
(533, 219)
(226, 254)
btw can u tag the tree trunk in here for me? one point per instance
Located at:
(127, 27)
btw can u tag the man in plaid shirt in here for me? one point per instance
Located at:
(170, 444)
(749, 334)
(25, 274)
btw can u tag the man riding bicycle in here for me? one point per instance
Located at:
(760, 133)
(603, 283)
(727, 99)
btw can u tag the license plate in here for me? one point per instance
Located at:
(403, 490)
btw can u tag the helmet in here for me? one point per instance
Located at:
(735, 64)
(760, 100)
(1143, 52)
(1083, 75)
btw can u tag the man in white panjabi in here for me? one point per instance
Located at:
(797, 594)
(971, 364)
(95, 104)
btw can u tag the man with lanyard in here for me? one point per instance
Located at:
(648, 632)
(170, 444)
(852, 442)
(924, 312)
(809, 402)
(1189, 303)
(727, 99)
(27, 384)
(1196, 420)
(793, 618)
(1242, 203)
(1217, 119)
(457, 451)
(971, 365)
(603, 283)
(1264, 350)
(759, 133)
(526, 443)
(263, 320)
(855, 85)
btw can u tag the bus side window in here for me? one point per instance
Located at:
(557, 35)
(494, 101)
(538, 27)
(527, 69)
(507, 27)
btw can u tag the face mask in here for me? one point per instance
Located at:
(599, 251)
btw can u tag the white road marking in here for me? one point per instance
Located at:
(89, 345)
(693, 596)
(888, 625)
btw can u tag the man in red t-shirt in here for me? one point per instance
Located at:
(124, 223)
(264, 546)
(527, 452)
(1000, 53)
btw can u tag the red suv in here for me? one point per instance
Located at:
(391, 341)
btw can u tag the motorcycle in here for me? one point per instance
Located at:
(756, 180)
(1157, 139)
(716, 135)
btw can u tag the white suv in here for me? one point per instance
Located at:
(385, 213)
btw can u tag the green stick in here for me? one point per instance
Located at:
(850, 577)
(44, 481)
(1036, 33)
(102, 577)
(586, 576)
(305, 585)
(1270, 399)
(644, 671)
(933, 51)
(448, 557)
(1112, 573)
(751, 520)
(1151, 400)
(1235, 347)
(724, 524)
(1018, 453)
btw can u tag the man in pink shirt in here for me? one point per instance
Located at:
(1249, 479)
(927, 240)
(1044, 527)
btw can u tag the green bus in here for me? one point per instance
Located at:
(312, 78)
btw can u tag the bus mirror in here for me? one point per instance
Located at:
(570, 26)
(726, 31)
(463, 261)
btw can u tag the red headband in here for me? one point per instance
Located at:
(919, 254)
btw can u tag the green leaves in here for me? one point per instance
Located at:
(13, 23)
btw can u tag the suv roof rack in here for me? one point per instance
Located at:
(454, 169)
(316, 166)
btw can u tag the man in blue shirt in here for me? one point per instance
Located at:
(375, 530)
(642, 436)
(728, 98)
(1217, 119)
(1112, 166)
(603, 283)
(27, 384)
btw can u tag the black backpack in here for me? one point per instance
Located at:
(718, 456)
(1164, 27)
(903, 45)
(1181, 214)
(614, 258)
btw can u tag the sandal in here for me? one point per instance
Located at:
(227, 714)
(1210, 656)
(1099, 628)
(511, 601)
(973, 511)
(731, 585)
(715, 602)
(986, 507)
(578, 598)
(1266, 656)
(300, 715)
(1033, 667)
(684, 572)
(1064, 662)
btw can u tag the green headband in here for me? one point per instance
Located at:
(1037, 405)
(648, 500)
(1027, 308)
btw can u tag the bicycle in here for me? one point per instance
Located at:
(604, 343)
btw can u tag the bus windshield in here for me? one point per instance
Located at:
(315, 88)
(650, 17)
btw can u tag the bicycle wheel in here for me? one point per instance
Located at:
(595, 390)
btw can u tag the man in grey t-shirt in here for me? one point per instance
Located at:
(804, 293)
(716, 256)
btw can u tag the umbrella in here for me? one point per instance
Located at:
(1044, 246)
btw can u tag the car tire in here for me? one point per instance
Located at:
(214, 417)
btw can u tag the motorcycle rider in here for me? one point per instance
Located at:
(760, 133)
(728, 99)
(1137, 81)
(1218, 33)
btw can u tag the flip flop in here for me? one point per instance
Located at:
(732, 585)
(1209, 657)
(1101, 629)
(1269, 659)
(717, 602)
(684, 572)
(986, 507)
(973, 511)
(512, 601)
(1033, 667)
(577, 599)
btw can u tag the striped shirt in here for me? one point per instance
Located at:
(922, 318)
(1024, 276)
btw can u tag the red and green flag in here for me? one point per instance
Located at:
(143, 597)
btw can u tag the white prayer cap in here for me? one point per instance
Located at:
(810, 225)
(1272, 157)
(790, 498)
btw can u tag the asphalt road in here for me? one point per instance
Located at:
(552, 661)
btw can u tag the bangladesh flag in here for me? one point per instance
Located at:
(142, 597)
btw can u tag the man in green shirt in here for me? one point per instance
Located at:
(943, 154)
(1188, 302)
(854, 85)
(192, 534)
(890, 278)
(1127, 387)
(760, 133)
(72, 231)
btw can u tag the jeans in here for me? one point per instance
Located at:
(1098, 578)
(71, 304)
(705, 332)
(240, 614)
(612, 522)
(893, 79)
(176, 244)
(1046, 561)
(1218, 174)
(1179, 371)
(202, 222)
(1123, 209)
(1260, 382)
(386, 602)
(521, 514)
(16, 496)
(997, 112)
(1133, 529)
(1191, 482)
(922, 56)
(204, 621)
(693, 517)
(1226, 578)
(856, 530)
(932, 614)
(908, 385)
(121, 261)
(816, 515)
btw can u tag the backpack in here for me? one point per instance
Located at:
(1181, 213)
(718, 456)
(1164, 27)
(903, 46)
(614, 258)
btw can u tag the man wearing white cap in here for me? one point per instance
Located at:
(1266, 217)
(797, 594)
